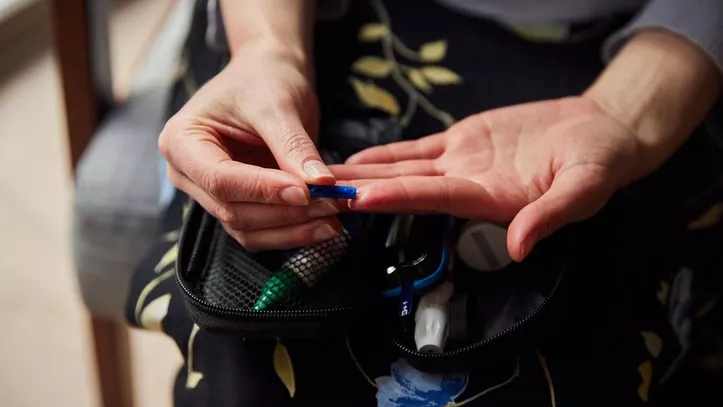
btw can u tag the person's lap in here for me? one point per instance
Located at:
(650, 275)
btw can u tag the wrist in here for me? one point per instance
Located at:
(660, 86)
(281, 28)
(268, 47)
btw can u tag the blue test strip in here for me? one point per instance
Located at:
(332, 191)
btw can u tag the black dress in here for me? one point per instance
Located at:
(644, 323)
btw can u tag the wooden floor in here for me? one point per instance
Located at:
(45, 342)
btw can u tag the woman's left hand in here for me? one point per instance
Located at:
(539, 165)
(543, 165)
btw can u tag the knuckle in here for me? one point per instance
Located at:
(241, 221)
(265, 110)
(214, 184)
(304, 235)
(388, 150)
(165, 139)
(260, 189)
(294, 215)
(251, 245)
(243, 240)
(277, 103)
(226, 215)
(403, 192)
(164, 144)
(446, 196)
(297, 142)
(285, 103)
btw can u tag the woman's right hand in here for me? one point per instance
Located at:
(242, 147)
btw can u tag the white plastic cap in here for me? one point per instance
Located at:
(483, 246)
(430, 330)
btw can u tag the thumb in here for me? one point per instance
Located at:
(574, 195)
(294, 150)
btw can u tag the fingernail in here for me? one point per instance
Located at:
(525, 251)
(294, 196)
(321, 208)
(324, 232)
(353, 204)
(315, 170)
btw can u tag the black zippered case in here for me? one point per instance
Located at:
(506, 309)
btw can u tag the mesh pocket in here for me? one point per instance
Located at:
(311, 263)
(224, 285)
(233, 279)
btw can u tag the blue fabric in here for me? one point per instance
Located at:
(408, 387)
(167, 190)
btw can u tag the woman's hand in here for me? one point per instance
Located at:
(539, 165)
(543, 165)
(242, 148)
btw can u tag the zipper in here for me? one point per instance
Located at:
(250, 315)
(265, 314)
(479, 344)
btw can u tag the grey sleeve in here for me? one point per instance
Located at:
(701, 21)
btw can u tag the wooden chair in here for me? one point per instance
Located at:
(82, 49)
(82, 46)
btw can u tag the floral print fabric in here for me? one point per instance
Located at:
(643, 324)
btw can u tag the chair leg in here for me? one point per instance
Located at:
(112, 360)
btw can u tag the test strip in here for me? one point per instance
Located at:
(332, 191)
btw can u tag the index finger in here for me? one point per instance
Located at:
(293, 148)
(425, 148)
(210, 167)
(419, 194)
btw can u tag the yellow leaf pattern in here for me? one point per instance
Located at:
(440, 76)
(541, 33)
(411, 79)
(192, 376)
(147, 290)
(167, 258)
(418, 80)
(375, 97)
(646, 374)
(374, 67)
(652, 342)
(548, 377)
(663, 293)
(186, 210)
(706, 308)
(433, 51)
(284, 368)
(711, 217)
(153, 314)
(372, 32)
(172, 236)
(514, 376)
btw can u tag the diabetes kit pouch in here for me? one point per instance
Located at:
(332, 288)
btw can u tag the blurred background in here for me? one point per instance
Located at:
(72, 71)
